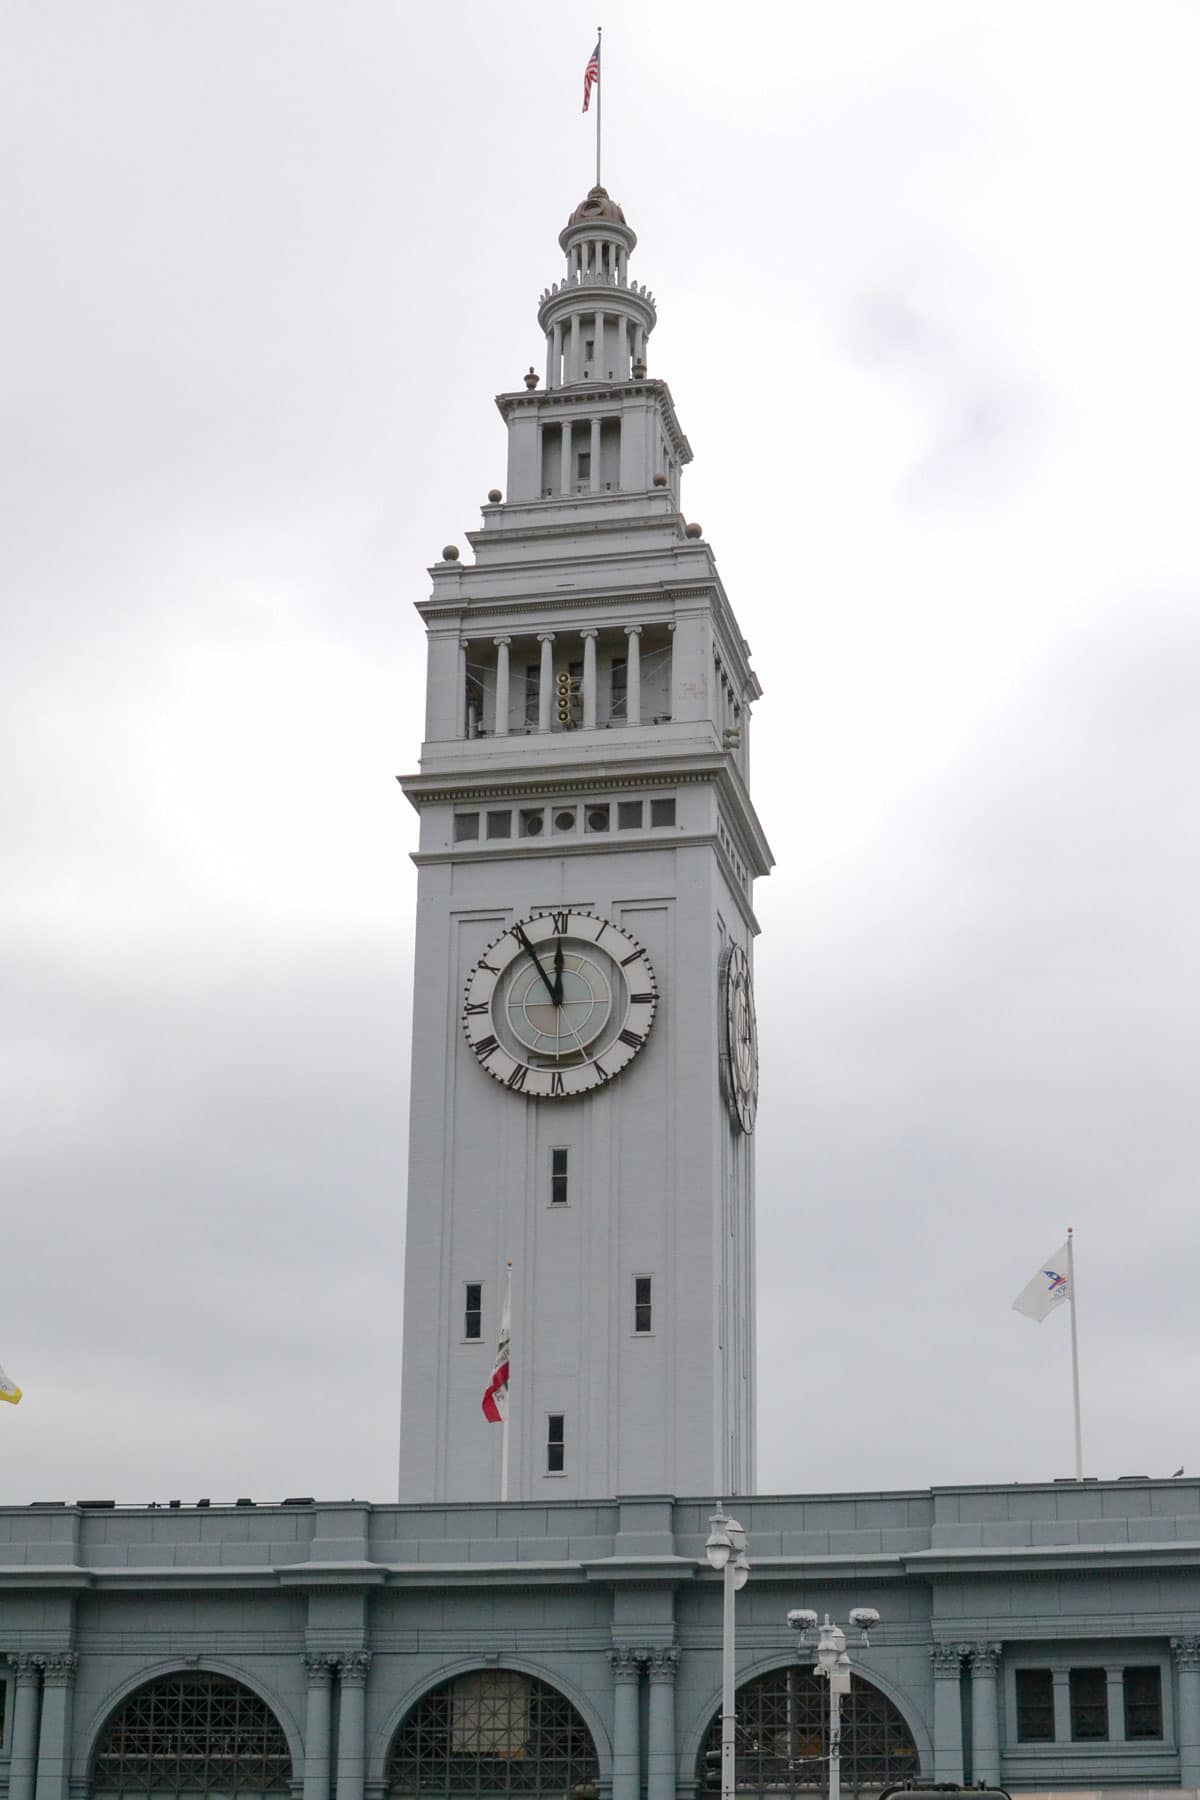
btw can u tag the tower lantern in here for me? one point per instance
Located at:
(595, 320)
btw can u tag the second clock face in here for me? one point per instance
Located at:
(559, 1004)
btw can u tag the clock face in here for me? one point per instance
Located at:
(741, 1040)
(559, 1004)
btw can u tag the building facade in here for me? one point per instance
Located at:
(1042, 1637)
(584, 936)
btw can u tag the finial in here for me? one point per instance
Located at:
(495, 496)
(531, 379)
(694, 531)
(450, 553)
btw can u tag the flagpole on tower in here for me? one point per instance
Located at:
(599, 95)
(1074, 1354)
(507, 1314)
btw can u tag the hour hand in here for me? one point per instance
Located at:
(519, 934)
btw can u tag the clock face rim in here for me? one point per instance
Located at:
(510, 1062)
(741, 1076)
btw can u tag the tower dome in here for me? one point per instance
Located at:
(599, 204)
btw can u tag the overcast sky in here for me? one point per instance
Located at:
(928, 288)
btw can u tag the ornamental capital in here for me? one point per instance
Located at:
(320, 1665)
(26, 1666)
(502, 639)
(985, 1658)
(353, 1666)
(946, 1660)
(590, 631)
(633, 631)
(663, 1663)
(545, 637)
(626, 1663)
(58, 1667)
(1186, 1651)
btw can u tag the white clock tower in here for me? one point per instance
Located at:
(584, 1053)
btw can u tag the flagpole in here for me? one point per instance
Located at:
(599, 94)
(1074, 1354)
(508, 1401)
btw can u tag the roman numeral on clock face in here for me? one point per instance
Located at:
(484, 1047)
(561, 922)
(626, 960)
(516, 1081)
(633, 1039)
(557, 1084)
(640, 999)
(476, 1006)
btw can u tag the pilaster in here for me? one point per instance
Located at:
(58, 1679)
(352, 1718)
(984, 1663)
(662, 1665)
(947, 1712)
(320, 1666)
(1186, 1652)
(626, 1674)
(28, 1674)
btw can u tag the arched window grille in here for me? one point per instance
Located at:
(493, 1732)
(193, 1733)
(782, 1739)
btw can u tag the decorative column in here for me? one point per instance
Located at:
(589, 679)
(947, 1712)
(565, 483)
(28, 1670)
(595, 482)
(317, 1724)
(500, 723)
(576, 365)
(546, 680)
(1186, 1651)
(352, 1717)
(660, 1771)
(460, 694)
(53, 1762)
(1114, 1678)
(627, 1775)
(985, 1713)
(1062, 1705)
(633, 675)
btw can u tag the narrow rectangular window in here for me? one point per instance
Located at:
(662, 812)
(1089, 1704)
(556, 1443)
(1143, 1703)
(473, 1309)
(533, 685)
(466, 827)
(629, 815)
(584, 467)
(558, 1177)
(643, 1311)
(619, 690)
(1035, 1706)
(499, 824)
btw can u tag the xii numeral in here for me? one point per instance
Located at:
(560, 921)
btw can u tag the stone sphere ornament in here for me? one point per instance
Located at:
(449, 552)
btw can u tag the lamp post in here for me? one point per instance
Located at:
(833, 1665)
(726, 1552)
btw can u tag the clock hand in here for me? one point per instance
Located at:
(557, 995)
(525, 944)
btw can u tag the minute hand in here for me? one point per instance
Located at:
(525, 944)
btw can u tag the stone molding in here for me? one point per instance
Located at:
(26, 1666)
(985, 1658)
(59, 1667)
(320, 1665)
(353, 1666)
(946, 1660)
(1186, 1652)
(663, 1663)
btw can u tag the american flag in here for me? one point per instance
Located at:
(495, 1399)
(591, 74)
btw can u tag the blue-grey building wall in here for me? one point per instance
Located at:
(361, 1609)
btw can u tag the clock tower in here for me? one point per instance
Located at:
(584, 1053)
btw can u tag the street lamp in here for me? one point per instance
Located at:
(726, 1552)
(833, 1666)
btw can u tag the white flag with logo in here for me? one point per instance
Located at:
(1047, 1289)
(9, 1390)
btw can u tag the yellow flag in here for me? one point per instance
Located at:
(8, 1389)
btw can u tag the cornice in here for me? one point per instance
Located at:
(593, 393)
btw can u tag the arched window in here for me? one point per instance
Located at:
(192, 1733)
(493, 1732)
(782, 1739)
